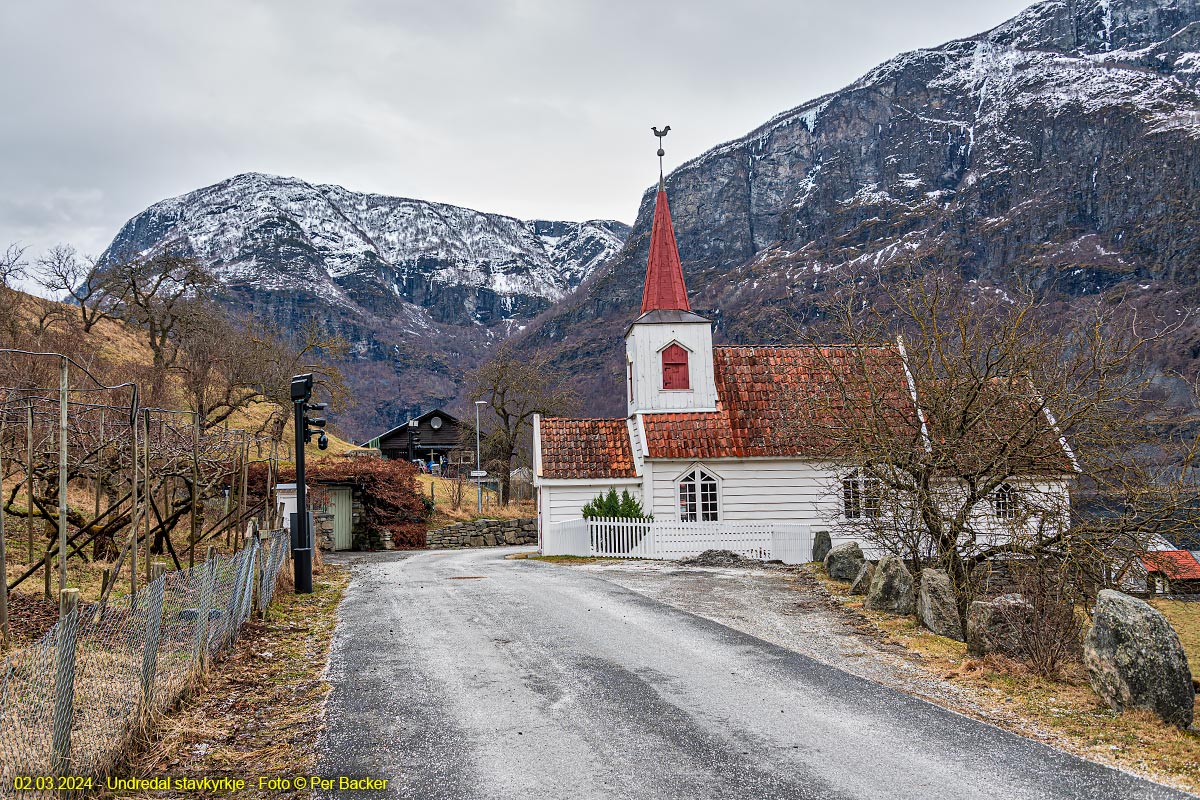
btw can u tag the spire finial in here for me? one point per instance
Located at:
(660, 134)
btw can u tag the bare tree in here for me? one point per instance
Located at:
(516, 387)
(229, 362)
(12, 264)
(155, 291)
(976, 425)
(89, 288)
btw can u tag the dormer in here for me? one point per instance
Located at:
(668, 349)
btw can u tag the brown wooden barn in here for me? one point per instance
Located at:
(430, 437)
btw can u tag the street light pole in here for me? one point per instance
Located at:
(478, 466)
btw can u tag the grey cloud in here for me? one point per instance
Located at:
(527, 107)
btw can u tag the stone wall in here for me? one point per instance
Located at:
(484, 533)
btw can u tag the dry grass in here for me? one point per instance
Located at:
(569, 560)
(256, 714)
(1076, 718)
(444, 513)
(1185, 617)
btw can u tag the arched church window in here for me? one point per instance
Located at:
(675, 368)
(698, 497)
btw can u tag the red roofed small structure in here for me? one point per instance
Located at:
(1172, 571)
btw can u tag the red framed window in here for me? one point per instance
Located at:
(675, 368)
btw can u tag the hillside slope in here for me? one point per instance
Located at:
(1063, 145)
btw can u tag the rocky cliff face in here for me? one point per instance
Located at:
(1063, 145)
(419, 289)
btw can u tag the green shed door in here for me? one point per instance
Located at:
(341, 500)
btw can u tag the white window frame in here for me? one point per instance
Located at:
(694, 472)
(855, 495)
(1004, 502)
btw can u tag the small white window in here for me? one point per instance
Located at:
(698, 497)
(1005, 502)
(860, 496)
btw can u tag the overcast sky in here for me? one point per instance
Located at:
(535, 108)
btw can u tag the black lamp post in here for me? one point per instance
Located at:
(306, 427)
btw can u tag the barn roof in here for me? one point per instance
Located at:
(586, 448)
(1175, 564)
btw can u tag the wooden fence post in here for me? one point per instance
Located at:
(154, 612)
(209, 580)
(64, 681)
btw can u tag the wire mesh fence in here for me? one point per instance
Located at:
(72, 703)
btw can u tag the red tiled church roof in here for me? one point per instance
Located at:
(664, 288)
(1175, 564)
(586, 448)
(758, 391)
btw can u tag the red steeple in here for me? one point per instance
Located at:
(664, 287)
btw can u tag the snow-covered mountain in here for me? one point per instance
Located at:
(419, 289)
(1063, 145)
(269, 233)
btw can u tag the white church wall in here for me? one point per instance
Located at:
(562, 501)
(775, 490)
(810, 493)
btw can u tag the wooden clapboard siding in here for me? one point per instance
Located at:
(566, 501)
(757, 490)
(643, 348)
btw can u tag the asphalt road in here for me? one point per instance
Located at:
(464, 675)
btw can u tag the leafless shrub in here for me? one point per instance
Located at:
(1048, 628)
(458, 491)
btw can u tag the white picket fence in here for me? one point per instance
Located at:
(602, 537)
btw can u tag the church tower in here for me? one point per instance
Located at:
(668, 349)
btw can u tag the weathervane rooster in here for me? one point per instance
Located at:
(660, 134)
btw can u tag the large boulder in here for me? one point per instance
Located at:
(1134, 659)
(936, 606)
(994, 626)
(844, 561)
(821, 546)
(892, 587)
(862, 582)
